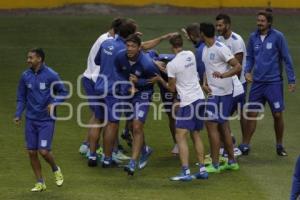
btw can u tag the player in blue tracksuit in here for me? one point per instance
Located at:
(35, 94)
(137, 67)
(106, 87)
(295, 192)
(267, 50)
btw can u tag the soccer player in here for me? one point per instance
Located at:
(88, 81)
(220, 66)
(267, 49)
(183, 78)
(295, 192)
(35, 95)
(237, 46)
(105, 57)
(137, 67)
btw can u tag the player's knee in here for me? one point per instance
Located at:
(137, 128)
(277, 115)
(43, 152)
(32, 152)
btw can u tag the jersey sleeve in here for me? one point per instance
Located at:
(237, 46)
(171, 70)
(225, 54)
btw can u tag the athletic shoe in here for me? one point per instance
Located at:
(233, 167)
(59, 178)
(130, 168)
(87, 155)
(120, 156)
(236, 151)
(245, 149)
(175, 150)
(39, 187)
(281, 151)
(202, 175)
(83, 149)
(93, 161)
(182, 177)
(208, 160)
(127, 137)
(111, 164)
(211, 169)
(144, 158)
(99, 151)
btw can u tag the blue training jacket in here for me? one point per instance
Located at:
(105, 57)
(200, 64)
(34, 93)
(144, 69)
(265, 58)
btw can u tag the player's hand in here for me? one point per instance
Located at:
(133, 78)
(139, 34)
(292, 87)
(17, 121)
(132, 91)
(161, 66)
(248, 77)
(185, 34)
(155, 79)
(50, 108)
(217, 75)
(206, 89)
(169, 35)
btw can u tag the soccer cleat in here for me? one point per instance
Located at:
(175, 150)
(39, 187)
(236, 151)
(182, 177)
(245, 149)
(83, 149)
(227, 166)
(109, 164)
(92, 161)
(120, 156)
(127, 137)
(202, 175)
(144, 158)
(281, 151)
(208, 160)
(59, 178)
(99, 151)
(130, 168)
(211, 169)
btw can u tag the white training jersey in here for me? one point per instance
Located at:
(183, 68)
(215, 59)
(236, 45)
(92, 70)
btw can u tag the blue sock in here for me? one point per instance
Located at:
(185, 170)
(279, 146)
(40, 180)
(231, 162)
(202, 168)
(85, 143)
(107, 159)
(93, 154)
(126, 132)
(132, 163)
(145, 149)
(296, 181)
(55, 168)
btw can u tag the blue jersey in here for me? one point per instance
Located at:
(144, 68)
(34, 93)
(200, 64)
(106, 59)
(266, 57)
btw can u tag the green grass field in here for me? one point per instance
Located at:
(67, 40)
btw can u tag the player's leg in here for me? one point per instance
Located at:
(46, 132)
(215, 142)
(274, 96)
(94, 137)
(173, 132)
(31, 137)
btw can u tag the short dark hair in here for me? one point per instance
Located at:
(135, 39)
(208, 29)
(39, 52)
(115, 24)
(267, 13)
(127, 28)
(193, 29)
(224, 17)
(176, 41)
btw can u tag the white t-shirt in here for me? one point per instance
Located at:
(215, 59)
(92, 70)
(183, 68)
(236, 45)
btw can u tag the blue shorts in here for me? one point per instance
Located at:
(191, 117)
(267, 92)
(110, 109)
(39, 134)
(140, 106)
(239, 101)
(218, 108)
(89, 88)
